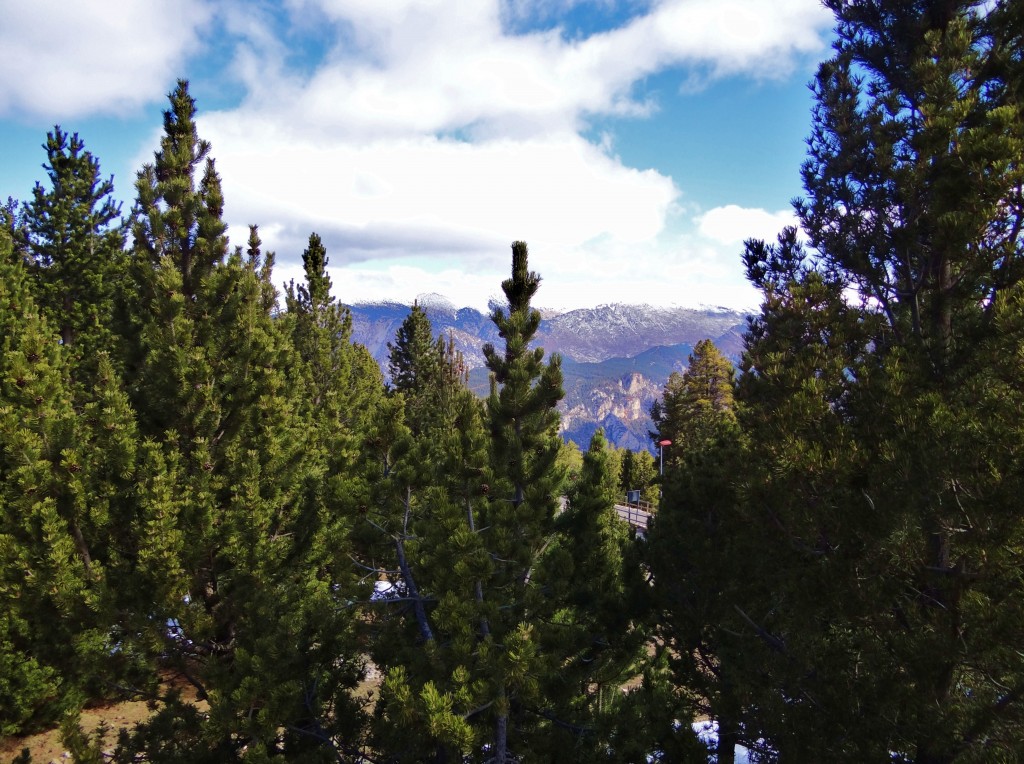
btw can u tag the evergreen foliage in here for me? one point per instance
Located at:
(637, 472)
(322, 330)
(873, 395)
(570, 464)
(695, 402)
(76, 245)
(36, 544)
(257, 623)
(414, 364)
(524, 445)
(435, 690)
(342, 385)
(696, 545)
(196, 484)
(474, 521)
(65, 519)
(593, 574)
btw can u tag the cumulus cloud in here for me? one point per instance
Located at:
(420, 137)
(64, 59)
(423, 66)
(380, 199)
(428, 131)
(732, 224)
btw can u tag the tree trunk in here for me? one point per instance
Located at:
(81, 546)
(727, 734)
(485, 627)
(414, 593)
(501, 737)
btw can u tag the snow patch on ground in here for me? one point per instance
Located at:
(707, 733)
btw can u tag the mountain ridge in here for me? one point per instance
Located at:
(616, 357)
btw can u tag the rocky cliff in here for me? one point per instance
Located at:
(615, 358)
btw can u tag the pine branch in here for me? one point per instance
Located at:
(767, 637)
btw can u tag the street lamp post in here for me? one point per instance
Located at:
(661, 467)
(661, 456)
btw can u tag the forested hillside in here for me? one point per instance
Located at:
(206, 482)
(616, 358)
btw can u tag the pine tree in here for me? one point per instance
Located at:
(570, 461)
(322, 332)
(67, 508)
(523, 425)
(414, 363)
(260, 628)
(410, 357)
(474, 528)
(425, 513)
(343, 386)
(12, 222)
(34, 412)
(694, 402)
(435, 689)
(881, 463)
(592, 571)
(637, 472)
(76, 243)
(695, 542)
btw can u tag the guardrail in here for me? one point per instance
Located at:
(634, 514)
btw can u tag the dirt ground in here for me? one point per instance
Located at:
(46, 747)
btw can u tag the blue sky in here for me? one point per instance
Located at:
(634, 145)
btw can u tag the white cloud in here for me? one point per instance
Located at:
(545, 10)
(732, 224)
(64, 59)
(377, 198)
(420, 137)
(428, 133)
(435, 66)
(404, 283)
(674, 269)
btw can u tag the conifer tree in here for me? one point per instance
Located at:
(414, 365)
(76, 243)
(637, 472)
(426, 513)
(692, 403)
(12, 222)
(593, 573)
(406, 436)
(694, 543)
(322, 333)
(258, 626)
(35, 417)
(570, 463)
(479, 525)
(67, 519)
(523, 425)
(881, 463)
(343, 386)
(411, 360)
(435, 689)
(589, 523)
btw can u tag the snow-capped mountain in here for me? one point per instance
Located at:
(615, 358)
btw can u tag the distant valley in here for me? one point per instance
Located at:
(615, 358)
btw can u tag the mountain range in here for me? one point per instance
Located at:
(615, 358)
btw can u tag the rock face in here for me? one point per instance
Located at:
(621, 407)
(615, 358)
